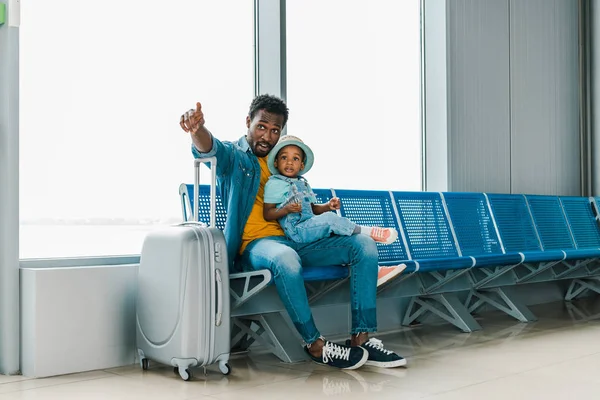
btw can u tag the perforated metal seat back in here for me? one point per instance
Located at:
(373, 208)
(582, 222)
(550, 222)
(473, 224)
(425, 224)
(514, 222)
(322, 195)
(204, 203)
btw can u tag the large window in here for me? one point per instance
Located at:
(102, 86)
(353, 88)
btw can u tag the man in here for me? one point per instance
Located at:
(254, 243)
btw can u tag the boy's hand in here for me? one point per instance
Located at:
(334, 203)
(293, 208)
(192, 120)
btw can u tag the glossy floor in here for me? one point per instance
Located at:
(556, 357)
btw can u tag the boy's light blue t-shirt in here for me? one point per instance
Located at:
(277, 191)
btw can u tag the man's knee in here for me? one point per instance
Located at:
(285, 261)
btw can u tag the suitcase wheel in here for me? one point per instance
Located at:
(225, 368)
(145, 363)
(185, 374)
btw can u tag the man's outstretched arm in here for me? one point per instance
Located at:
(193, 123)
(204, 144)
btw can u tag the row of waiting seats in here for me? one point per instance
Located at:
(455, 242)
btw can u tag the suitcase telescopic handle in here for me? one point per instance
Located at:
(213, 188)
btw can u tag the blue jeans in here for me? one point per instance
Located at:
(284, 258)
(317, 227)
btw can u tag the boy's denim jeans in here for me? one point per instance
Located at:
(285, 258)
(317, 227)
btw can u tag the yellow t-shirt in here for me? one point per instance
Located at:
(257, 227)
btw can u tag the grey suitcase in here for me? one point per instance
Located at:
(182, 303)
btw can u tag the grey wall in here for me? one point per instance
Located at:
(478, 99)
(511, 97)
(544, 97)
(595, 93)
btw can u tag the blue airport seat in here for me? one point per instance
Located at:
(582, 221)
(427, 232)
(322, 195)
(553, 229)
(374, 208)
(516, 228)
(473, 224)
(186, 193)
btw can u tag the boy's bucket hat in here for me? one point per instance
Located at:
(289, 140)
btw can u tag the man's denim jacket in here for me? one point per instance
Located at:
(238, 179)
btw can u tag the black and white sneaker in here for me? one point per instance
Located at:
(379, 356)
(340, 356)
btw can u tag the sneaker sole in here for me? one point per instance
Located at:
(359, 364)
(387, 364)
(389, 240)
(362, 361)
(392, 238)
(391, 275)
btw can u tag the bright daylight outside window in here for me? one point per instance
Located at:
(353, 88)
(102, 86)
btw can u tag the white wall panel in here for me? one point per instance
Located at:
(77, 319)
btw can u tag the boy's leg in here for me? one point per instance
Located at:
(330, 222)
(322, 226)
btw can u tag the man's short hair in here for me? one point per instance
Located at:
(270, 104)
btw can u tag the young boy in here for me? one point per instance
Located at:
(290, 200)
